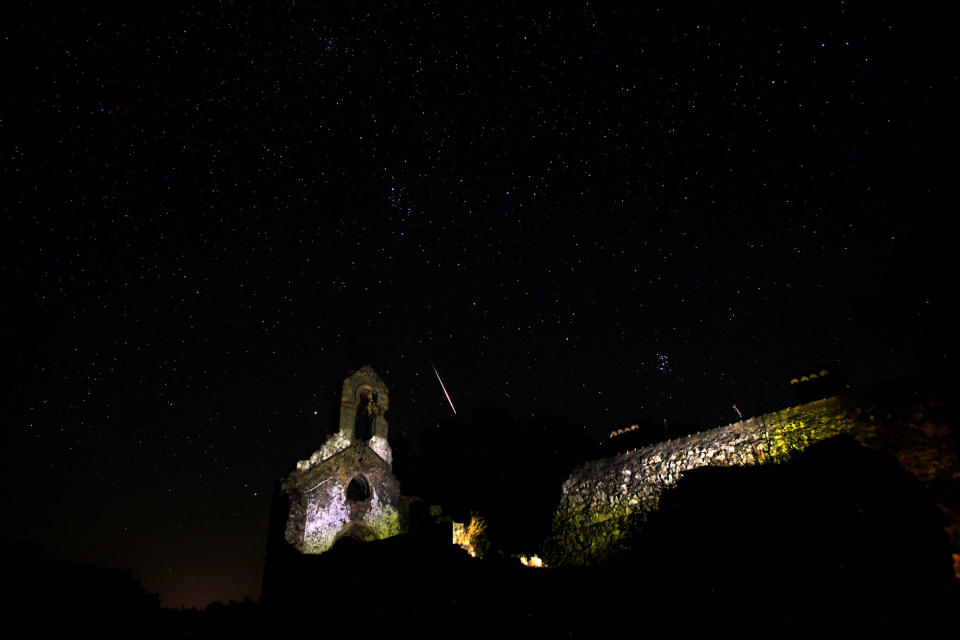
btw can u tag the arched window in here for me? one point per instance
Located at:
(358, 490)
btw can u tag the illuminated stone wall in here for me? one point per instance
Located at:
(597, 499)
(322, 510)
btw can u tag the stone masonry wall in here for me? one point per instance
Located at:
(597, 498)
(320, 511)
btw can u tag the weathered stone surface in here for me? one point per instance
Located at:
(598, 497)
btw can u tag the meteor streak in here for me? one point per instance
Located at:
(444, 388)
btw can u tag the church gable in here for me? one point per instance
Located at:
(356, 456)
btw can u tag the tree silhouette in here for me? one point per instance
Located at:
(507, 471)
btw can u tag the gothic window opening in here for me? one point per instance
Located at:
(358, 490)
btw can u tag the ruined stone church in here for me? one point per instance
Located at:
(347, 489)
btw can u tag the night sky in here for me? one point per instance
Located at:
(213, 213)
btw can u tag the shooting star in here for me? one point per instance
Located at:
(444, 388)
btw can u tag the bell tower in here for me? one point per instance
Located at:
(364, 401)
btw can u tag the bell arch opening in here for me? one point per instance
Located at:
(364, 418)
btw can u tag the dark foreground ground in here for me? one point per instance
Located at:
(446, 594)
(839, 538)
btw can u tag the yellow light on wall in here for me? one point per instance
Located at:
(532, 561)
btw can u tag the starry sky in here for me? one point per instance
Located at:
(215, 212)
